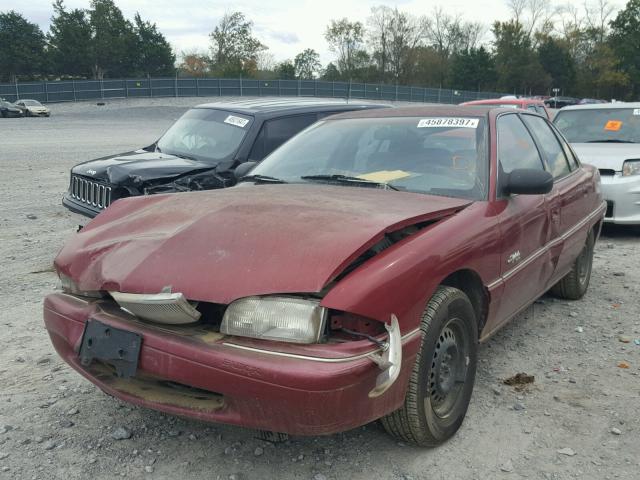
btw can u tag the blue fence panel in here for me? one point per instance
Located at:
(289, 88)
(72, 90)
(324, 89)
(186, 87)
(228, 87)
(269, 87)
(163, 87)
(208, 87)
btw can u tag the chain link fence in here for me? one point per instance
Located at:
(75, 90)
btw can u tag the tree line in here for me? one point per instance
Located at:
(585, 51)
(94, 43)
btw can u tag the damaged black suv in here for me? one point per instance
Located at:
(198, 152)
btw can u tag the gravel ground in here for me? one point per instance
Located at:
(579, 419)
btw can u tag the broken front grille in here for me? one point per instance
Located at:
(92, 193)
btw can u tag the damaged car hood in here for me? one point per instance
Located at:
(606, 155)
(221, 245)
(140, 166)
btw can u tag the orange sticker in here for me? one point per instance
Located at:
(613, 125)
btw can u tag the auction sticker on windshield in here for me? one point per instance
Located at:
(636, 111)
(613, 125)
(237, 121)
(438, 122)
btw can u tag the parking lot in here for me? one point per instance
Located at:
(579, 419)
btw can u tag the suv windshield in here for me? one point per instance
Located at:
(436, 155)
(205, 134)
(614, 125)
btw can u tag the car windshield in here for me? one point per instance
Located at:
(435, 155)
(205, 134)
(600, 125)
(32, 103)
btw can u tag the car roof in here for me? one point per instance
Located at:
(270, 107)
(598, 106)
(505, 101)
(425, 111)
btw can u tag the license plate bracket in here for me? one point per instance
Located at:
(114, 346)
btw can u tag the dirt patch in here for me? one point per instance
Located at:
(519, 381)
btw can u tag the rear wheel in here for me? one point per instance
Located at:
(574, 284)
(442, 379)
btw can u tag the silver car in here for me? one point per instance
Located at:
(608, 137)
(33, 108)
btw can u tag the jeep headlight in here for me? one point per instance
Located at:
(286, 319)
(630, 167)
(69, 286)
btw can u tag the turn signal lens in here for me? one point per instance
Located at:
(69, 286)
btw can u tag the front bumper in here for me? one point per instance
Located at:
(12, 113)
(248, 387)
(623, 198)
(39, 113)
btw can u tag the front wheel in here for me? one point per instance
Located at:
(443, 375)
(574, 284)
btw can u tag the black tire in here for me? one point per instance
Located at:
(436, 403)
(574, 284)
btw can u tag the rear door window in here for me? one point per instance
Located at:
(277, 131)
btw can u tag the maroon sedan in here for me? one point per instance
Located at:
(349, 277)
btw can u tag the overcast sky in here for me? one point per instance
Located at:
(285, 26)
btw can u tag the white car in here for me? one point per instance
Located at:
(607, 136)
(33, 108)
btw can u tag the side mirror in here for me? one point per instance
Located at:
(243, 169)
(527, 181)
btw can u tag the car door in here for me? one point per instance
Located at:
(523, 221)
(566, 200)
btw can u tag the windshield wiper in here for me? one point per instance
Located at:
(345, 179)
(611, 140)
(262, 178)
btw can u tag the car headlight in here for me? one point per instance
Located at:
(69, 286)
(286, 319)
(630, 167)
